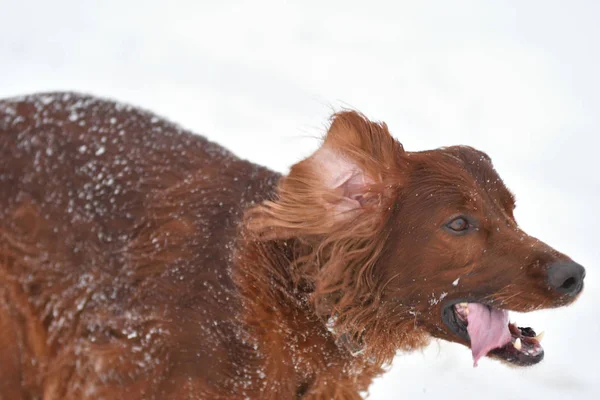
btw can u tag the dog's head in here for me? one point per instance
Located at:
(401, 246)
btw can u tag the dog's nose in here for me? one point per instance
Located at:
(566, 277)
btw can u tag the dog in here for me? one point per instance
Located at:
(141, 261)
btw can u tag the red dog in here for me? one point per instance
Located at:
(140, 261)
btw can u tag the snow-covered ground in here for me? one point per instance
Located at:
(517, 79)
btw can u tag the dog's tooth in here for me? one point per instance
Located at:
(518, 344)
(465, 305)
(539, 337)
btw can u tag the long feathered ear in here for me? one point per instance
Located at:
(335, 206)
(357, 162)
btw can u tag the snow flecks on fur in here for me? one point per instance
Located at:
(128, 205)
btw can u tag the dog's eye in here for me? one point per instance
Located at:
(459, 224)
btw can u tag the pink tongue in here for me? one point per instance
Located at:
(488, 330)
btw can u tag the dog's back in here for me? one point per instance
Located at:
(116, 238)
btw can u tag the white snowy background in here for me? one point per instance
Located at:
(517, 79)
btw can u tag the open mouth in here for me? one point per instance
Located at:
(488, 330)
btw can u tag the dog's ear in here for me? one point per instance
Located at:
(358, 163)
(350, 167)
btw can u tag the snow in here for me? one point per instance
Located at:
(515, 79)
(435, 300)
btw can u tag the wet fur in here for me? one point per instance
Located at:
(141, 261)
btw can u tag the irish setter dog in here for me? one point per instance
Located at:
(141, 261)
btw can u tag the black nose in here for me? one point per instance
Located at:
(566, 277)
